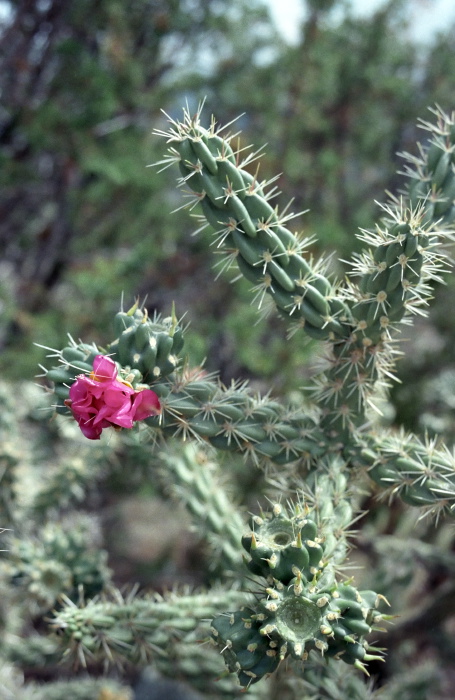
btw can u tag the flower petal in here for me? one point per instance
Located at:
(101, 401)
(146, 403)
(92, 432)
(104, 369)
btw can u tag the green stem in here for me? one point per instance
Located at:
(134, 629)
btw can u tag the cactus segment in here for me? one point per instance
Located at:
(291, 621)
(395, 274)
(134, 627)
(233, 419)
(75, 359)
(149, 346)
(397, 463)
(402, 258)
(234, 203)
(281, 544)
(60, 561)
(301, 608)
(197, 483)
(432, 186)
(398, 271)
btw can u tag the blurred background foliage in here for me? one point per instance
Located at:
(84, 221)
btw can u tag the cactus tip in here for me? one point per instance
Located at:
(133, 309)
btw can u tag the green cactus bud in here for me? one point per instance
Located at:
(123, 350)
(59, 375)
(441, 170)
(79, 353)
(259, 209)
(279, 546)
(150, 346)
(122, 321)
(205, 155)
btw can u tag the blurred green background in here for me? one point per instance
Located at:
(83, 220)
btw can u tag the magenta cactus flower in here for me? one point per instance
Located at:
(101, 400)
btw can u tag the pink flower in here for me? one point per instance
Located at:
(100, 400)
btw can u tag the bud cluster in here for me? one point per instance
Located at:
(301, 608)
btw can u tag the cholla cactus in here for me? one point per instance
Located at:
(285, 596)
(358, 320)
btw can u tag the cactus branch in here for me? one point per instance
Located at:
(420, 472)
(130, 629)
(252, 232)
(195, 405)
